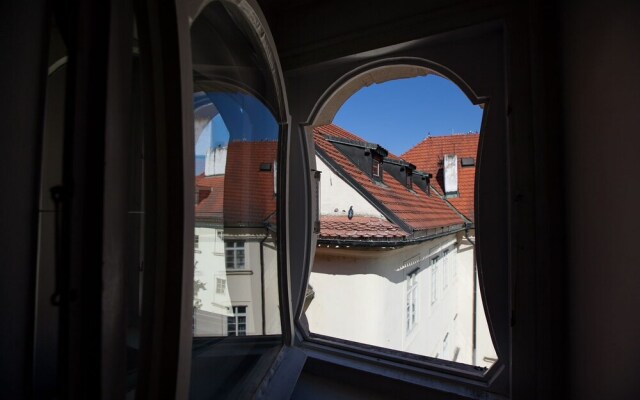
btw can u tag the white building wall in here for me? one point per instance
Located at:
(360, 295)
(243, 286)
(336, 196)
(485, 351)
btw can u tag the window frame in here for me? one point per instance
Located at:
(236, 250)
(445, 269)
(349, 76)
(221, 282)
(299, 243)
(234, 319)
(376, 168)
(433, 266)
(412, 302)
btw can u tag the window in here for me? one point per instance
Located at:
(445, 269)
(196, 241)
(409, 181)
(237, 323)
(445, 345)
(376, 170)
(220, 285)
(434, 279)
(234, 254)
(238, 122)
(454, 264)
(412, 300)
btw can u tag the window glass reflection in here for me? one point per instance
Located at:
(235, 281)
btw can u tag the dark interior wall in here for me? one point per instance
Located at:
(22, 77)
(601, 100)
(602, 103)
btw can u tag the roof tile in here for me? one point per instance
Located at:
(244, 196)
(415, 208)
(341, 227)
(428, 154)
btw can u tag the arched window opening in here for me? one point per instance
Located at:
(395, 264)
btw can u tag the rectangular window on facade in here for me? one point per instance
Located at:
(454, 263)
(220, 285)
(196, 241)
(237, 323)
(412, 301)
(445, 345)
(234, 255)
(445, 269)
(434, 275)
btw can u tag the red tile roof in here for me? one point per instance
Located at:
(415, 209)
(210, 192)
(336, 131)
(249, 198)
(332, 227)
(428, 154)
(244, 196)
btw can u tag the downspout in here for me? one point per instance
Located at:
(264, 324)
(474, 323)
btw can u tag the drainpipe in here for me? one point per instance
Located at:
(474, 323)
(264, 324)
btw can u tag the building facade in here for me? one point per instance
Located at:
(394, 267)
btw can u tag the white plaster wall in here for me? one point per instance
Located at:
(272, 300)
(464, 277)
(484, 344)
(244, 287)
(210, 319)
(360, 295)
(336, 194)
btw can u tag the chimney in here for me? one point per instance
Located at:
(450, 175)
(215, 161)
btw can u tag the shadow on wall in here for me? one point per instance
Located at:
(385, 264)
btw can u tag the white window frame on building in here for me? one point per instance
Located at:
(412, 301)
(445, 268)
(232, 260)
(220, 285)
(433, 264)
(235, 321)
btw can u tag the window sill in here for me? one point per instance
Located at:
(239, 272)
(426, 373)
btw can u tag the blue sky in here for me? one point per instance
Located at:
(398, 114)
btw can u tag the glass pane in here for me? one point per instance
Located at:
(395, 263)
(235, 102)
(235, 134)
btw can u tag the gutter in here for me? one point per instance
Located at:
(385, 243)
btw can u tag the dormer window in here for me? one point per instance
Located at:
(376, 169)
(422, 180)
